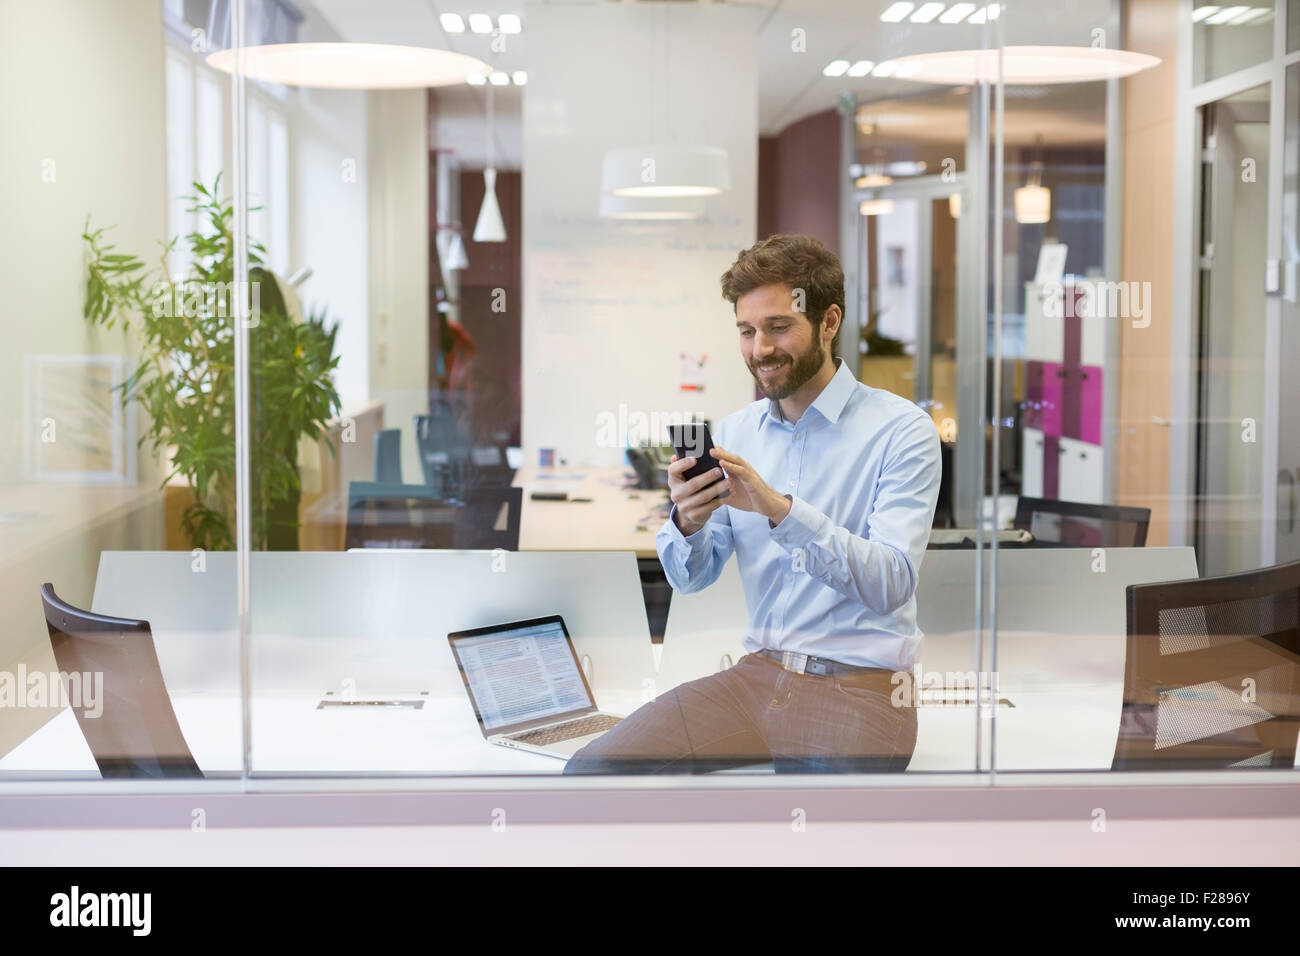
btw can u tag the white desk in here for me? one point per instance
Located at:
(291, 736)
(374, 623)
(617, 518)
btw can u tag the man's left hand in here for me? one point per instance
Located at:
(749, 492)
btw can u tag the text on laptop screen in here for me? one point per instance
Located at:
(525, 674)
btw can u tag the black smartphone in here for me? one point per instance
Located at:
(693, 440)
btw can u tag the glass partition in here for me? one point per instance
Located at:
(119, 656)
(368, 341)
(1139, 413)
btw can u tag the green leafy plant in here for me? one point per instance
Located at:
(185, 381)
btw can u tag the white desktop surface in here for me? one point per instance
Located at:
(291, 736)
(1060, 660)
(1060, 650)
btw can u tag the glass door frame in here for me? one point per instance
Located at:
(1187, 292)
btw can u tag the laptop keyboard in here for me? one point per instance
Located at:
(595, 724)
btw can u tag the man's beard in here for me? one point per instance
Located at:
(794, 376)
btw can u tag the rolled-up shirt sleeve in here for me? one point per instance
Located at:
(879, 569)
(694, 562)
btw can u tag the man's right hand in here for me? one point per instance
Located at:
(696, 498)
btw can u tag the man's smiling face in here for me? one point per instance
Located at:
(782, 348)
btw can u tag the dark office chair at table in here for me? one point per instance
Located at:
(1212, 673)
(136, 733)
(481, 526)
(1073, 524)
(648, 475)
(388, 456)
(444, 446)
(382, 515)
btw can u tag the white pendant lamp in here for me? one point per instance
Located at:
(665, 169)
(1022, 65)
(456, 257)
(490, 227)
(1033, 204)
(349, 66)
(662, 168)
(1033, 200)
(652, 208)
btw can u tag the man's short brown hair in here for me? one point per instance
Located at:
(800, 262)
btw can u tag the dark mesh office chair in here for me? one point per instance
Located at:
(415, 516)
(1073, 524)
(136, 733)
(1212, 673)
(384, 515)
(481, 525)
(444, 443)
(388, 455)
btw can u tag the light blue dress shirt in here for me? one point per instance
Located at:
(837, 577)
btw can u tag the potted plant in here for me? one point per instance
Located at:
(185, 380)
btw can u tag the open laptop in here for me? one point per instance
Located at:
(527, 687)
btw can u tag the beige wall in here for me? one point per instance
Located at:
(81, 102)
(399, 263)
(1142, 476)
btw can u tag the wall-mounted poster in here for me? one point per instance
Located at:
(692, 372)
(75, 427)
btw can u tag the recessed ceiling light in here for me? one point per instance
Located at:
(957, 13)
(520, 77)
(499, 79)
(348, 66)
(452, 22)
(876, 207)
(480, 23)
(1226, 14)
(985, 14)
(872, 180)
(1023, 65)
(861, 68)
(475, 79)
(886, 68)
(896, 12)
(835, 68)
(1200, 13)
(510, 23)
(926, 13)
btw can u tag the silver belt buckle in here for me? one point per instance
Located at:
(794, 662)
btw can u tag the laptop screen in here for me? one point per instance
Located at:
(521, 673)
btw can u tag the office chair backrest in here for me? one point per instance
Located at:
(1212, 673)
(388, 456)
(1074, 524)
(382, 515)
(130, 726)
(481, 525)
(444, 445)
(647, 475)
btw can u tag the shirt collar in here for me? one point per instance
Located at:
(829, 404)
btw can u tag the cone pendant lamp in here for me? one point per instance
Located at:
(490, 227)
